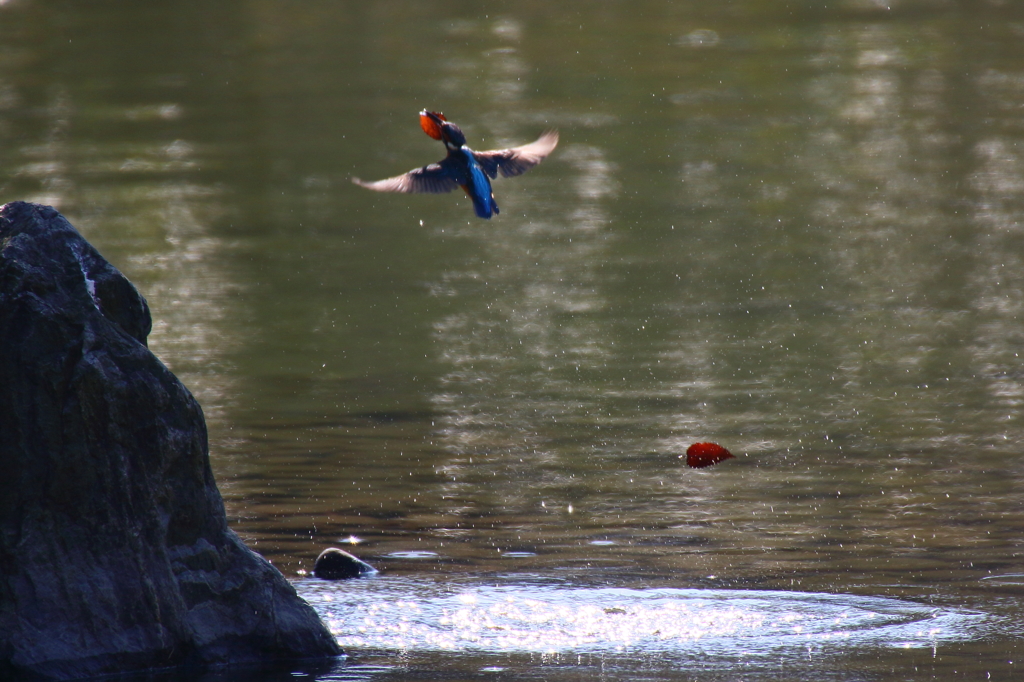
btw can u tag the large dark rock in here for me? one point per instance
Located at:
(115, 553)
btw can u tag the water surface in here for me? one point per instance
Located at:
(792, 229)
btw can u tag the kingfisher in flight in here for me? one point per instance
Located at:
(465, 168)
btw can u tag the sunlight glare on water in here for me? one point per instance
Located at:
(411, 614)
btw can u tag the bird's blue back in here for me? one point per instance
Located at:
(479, 187)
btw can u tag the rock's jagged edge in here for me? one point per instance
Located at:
(115, 554)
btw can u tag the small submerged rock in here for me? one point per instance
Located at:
(337, 564)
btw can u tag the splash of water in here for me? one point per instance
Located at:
(409, 614)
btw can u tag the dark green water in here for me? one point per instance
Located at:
(795, 229)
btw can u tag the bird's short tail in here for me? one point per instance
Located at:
(485, 207)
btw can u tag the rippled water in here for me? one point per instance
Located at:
(792, 229)
(719, 626)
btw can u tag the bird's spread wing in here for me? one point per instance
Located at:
(433, 179)
(517, 160)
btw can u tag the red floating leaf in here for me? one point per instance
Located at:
(700, 455)
(429, 125)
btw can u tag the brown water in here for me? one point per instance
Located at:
(795, 229)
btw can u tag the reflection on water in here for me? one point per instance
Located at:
(532, 329)
(794, 231)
